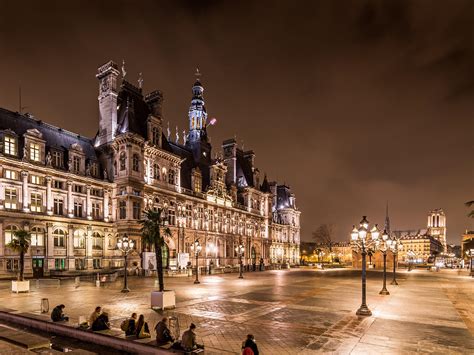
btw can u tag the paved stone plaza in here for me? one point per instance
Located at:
(294, 311)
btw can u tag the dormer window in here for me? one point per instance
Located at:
(155, 135)
(76, 163)
(34, 152)
(135, 163)
(10, 145)
(57, 159)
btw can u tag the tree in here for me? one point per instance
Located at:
(324, 236)
(20, 243)
(152, 235)
(470, 204)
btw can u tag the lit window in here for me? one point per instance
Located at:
(34, 152)
(59, 236)
(9, 233)
(60, 264)
(37, 236)
(79, 240)
(11, 174)
(35, 179)
(97, 241)
(36, 203)
(10, 145)
(11, 198)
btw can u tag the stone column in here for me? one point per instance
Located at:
(70, 264)
(2, 241)
(70, 201)
(24, 191)
(114, 205)
(88, 202)
(106, 205)
(49, 196)
(49, 246)
(89, 263)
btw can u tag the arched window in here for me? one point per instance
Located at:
(156, 172)
(136, 163)
(79, 239)
(37, 236)
(97, 241)
(9, 233)
(123, 158)
(59, 237)
(171, 177)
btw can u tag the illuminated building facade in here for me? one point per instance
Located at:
(437, 226)
(77, 195)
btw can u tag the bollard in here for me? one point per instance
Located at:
(44, 305)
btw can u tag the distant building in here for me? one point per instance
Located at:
(418, 246)
(467, 243)
(340, 252)
(454, 249)
(437, 226)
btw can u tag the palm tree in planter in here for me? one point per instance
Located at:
(20, 243)
(153, 231)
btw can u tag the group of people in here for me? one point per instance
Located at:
(138, 328)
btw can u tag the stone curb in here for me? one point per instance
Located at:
(90, 337)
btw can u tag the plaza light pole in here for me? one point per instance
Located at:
(197, 249)
(362, 239)
(470, 253)
(395, 245)
(383, 247)
(126, 246)
(240, 250)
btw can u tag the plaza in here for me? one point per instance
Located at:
(297, 311)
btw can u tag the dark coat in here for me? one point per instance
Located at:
(163, 334)
(131, 327)
(57, 314)
(249, 343)
(101, 323)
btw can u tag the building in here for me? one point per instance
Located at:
(437, 226)
(467, 243)
(340, 252)
(77, 195)
(418, 247)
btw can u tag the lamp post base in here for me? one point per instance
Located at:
(125, 290)
(384, 292)
(241, 277)
(196, 282)
(394, 282)
(364, 311)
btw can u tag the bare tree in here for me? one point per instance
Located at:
(324, 235)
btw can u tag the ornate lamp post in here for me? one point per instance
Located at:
(470, 253)
(240, 250)
(126, 246)
(197, 249)
(384, 246)
(395, 245)
(362, 239)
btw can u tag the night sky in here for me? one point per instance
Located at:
(350, 103)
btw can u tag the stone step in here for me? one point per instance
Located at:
(21, 338)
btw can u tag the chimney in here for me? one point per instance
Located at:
(107, 75)
(229, 147)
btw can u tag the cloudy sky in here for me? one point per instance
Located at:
(351, 103)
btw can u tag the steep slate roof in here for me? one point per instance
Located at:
(244, 168)
(56, 138)
(133, 111)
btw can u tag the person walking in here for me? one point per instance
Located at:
(163, 333)
(249, 346)
(142, 330)
(102, 322)
(94, 315)
(57, 315)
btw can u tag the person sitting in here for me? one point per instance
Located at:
(250, 346)
(57, 314)
(142, 331)
(101, 323)
(188, 340)
(129, 325)
(94, 315)
(163, 334)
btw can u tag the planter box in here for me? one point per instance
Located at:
(20, 286)
(163, 300)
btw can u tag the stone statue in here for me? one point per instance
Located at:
(177, 135)
(69, 164)
(88, 169)
(25, 153)
(184, 137)
(168, 131)
(140, 81)
(106, 176)
(48, 159)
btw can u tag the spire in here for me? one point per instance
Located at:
(387, 220)
(197, 112)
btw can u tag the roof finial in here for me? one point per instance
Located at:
(168, 130)
(140, 80)
(387, 220)
(124, 72)
(197, 74)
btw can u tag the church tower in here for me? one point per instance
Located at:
(197, 138)
(437, 226)
(387, 222)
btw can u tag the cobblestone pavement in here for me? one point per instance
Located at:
(293, 311)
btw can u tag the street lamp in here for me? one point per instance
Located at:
(240, 250)
(383, 246)
(362, 239)
(395, 245)
(197, 249)
(126, 246)
(470, 253)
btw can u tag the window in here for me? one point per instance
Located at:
(59, 237)
(95, 210)
(76, 163)
(37, 236)
(34, 152)
(36, 202)
(123, 210)
(79, 239)
(77, 208)
(11, 198)
(156, 172)
(96, 263)
(10, 145)
(57, 159)
(155, 135)
(58, 184)
(136, 210)
(13, 264)
(136, 163)
(11, 174)
(97, 241)
(171, 217)
(122, 161)
(9, 233)
(171, 177)
(58, 206)
(60, 264)
(197, 183)
(94, 169)
(96, 192)
(35, 179)
(78, 188)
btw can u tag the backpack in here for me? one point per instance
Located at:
(124, 325)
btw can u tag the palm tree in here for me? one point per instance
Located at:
(152, 235)
(470, 204)
(20, 243)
